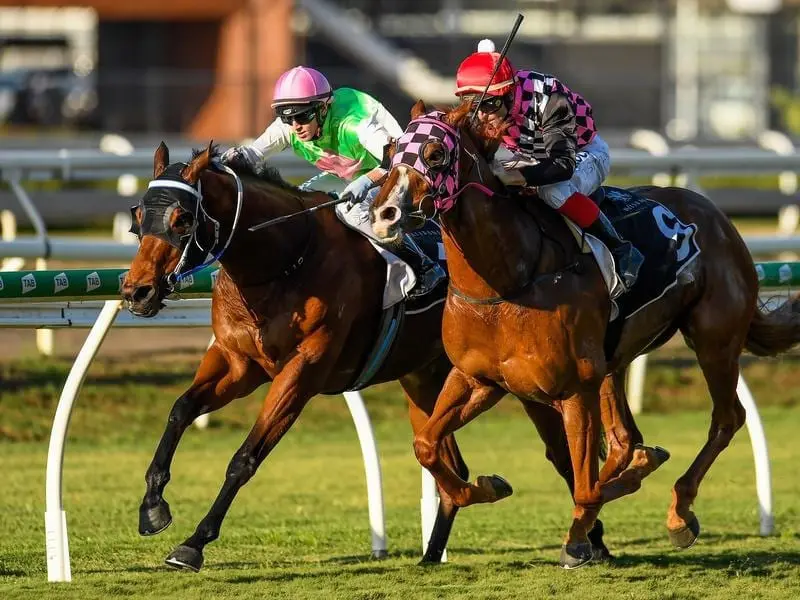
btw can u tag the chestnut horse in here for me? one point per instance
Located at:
(298, 305)
(527, 313)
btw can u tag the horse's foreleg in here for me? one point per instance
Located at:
(621, 435)
(462, 399)
(290, 391)
(581, 415)
(629, 461)
(550, 426)
(422, 388)
(221, 378)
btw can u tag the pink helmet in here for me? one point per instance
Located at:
(301, 85)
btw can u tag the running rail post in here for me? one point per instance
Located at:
(758, 441)
(55, 520)
(429, 508)
(372, 470)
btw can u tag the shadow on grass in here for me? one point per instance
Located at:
(758, 563)
(736, 562)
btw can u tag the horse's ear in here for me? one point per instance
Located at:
(160, 160)
(199, 164)
(418, 110)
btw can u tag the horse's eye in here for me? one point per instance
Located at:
(436, 157)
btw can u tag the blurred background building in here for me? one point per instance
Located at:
(699, 71)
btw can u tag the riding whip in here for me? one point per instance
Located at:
(306, 211)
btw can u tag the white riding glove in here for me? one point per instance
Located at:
(248, 154)
(356, 191)
(509, 176)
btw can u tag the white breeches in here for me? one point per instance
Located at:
(592, 165)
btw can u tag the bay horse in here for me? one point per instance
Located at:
(297, 305)
(527, 313)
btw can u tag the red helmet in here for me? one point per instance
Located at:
(474, 72)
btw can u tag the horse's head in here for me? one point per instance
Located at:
(175, 235)
(433, 160)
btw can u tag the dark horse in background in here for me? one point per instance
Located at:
(298, 305)
(528, 313)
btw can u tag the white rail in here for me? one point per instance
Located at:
(94, 164)
(100, 316)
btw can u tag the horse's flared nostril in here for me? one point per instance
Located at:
(141, 293)
(389, 215)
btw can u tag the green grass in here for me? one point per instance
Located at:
(299, 528)
(138, 390)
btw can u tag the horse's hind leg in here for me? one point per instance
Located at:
(550, 426)
(718, 339)
(221, 377)
(422, 388)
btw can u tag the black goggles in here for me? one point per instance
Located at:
(490, 105)
(301, 118)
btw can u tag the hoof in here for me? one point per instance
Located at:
(154, 520)
(379, 554)
(601, 554)
(432, 556)
(600, 551)
(685, 537)
(428, 561)
(499, 486)
(577, 555)
(185, 557)
(662, 454)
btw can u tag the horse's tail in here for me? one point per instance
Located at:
(776, 331)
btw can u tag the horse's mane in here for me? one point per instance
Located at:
(485, 138)
(262, 172)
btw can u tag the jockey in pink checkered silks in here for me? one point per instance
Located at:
(551, 143)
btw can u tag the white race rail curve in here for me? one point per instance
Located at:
(100, 316)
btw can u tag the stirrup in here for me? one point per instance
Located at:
(427, 279)
(628, 264)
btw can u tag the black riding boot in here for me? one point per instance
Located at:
(628, 259)
(429, 273)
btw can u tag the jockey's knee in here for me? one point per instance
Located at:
(556, 194)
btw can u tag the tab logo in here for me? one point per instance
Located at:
(121, 279)
(214, 276)
(785, 273)
(28, 283)
(760, 272)
(2, 285)
(186, 282)
(92, 281)
(60, 283)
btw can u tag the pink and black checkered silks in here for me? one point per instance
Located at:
(443, 182)
(532, 94)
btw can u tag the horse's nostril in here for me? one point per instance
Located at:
(389, 214)
(142, 293)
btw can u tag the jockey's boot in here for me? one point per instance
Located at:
(627, 258)
(429, 273)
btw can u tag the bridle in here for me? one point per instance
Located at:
(170, 191)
